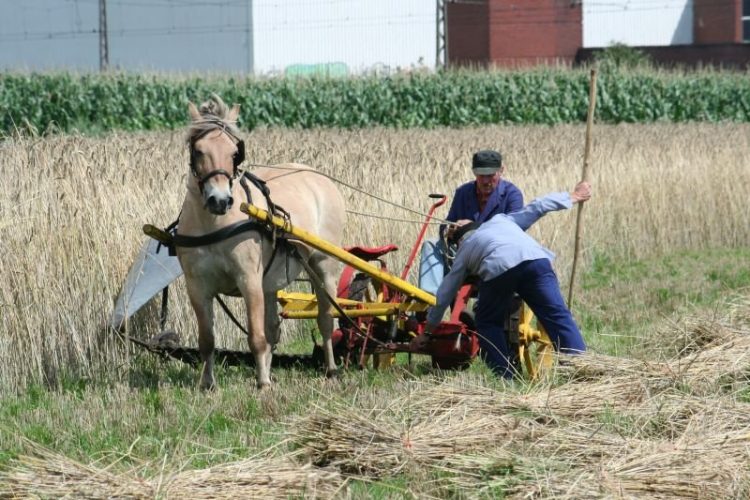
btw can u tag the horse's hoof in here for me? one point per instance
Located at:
(264, 386)
(332, 374)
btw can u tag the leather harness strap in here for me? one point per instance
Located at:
(222, 234)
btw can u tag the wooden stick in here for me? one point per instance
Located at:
(584, 177)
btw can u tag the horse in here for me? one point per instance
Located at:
(248, 261)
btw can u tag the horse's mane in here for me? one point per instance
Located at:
(213, 116)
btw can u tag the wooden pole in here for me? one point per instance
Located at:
(584, 177)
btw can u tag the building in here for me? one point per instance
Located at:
(222, 36)
(515, 33)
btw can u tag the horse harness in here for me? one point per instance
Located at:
(179, 240)
(237, 159)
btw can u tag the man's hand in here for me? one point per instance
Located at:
(581, 193)
(419, 343)
(452, 227)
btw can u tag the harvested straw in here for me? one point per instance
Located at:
(255, 478)
(566, 401)
(684, 336)
(704, 369)
(385, 442)
(739, 310)
(592, 366)
(581, 464)
(49, 475)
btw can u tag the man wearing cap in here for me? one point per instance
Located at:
(508, 261)
(475, 201)
(488, 195)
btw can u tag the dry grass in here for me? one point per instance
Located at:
(49, 475)
(600, 427)
(657, 432)
(73, 207)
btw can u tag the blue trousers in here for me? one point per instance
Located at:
(536, 283)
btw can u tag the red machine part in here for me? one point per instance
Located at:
(452, 346)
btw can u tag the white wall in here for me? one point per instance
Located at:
(637, 22)
(359, 33)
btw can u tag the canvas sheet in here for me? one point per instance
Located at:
(152, 270)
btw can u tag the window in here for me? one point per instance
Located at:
(746, 20)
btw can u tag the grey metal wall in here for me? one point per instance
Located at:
(218, 35)
(161, 35)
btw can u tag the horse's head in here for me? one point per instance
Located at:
(216, 151)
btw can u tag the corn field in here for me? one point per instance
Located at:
(66, 102)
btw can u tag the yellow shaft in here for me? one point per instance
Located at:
(328, 248)
(351, 313)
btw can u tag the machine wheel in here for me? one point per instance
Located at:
(536, 349)
(528, 342)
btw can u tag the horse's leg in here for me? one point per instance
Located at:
(204, 314)
(260, 348)
(272, 324)
(325, 268)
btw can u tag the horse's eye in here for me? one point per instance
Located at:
(195, 155)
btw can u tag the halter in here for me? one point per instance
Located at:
(237, 159)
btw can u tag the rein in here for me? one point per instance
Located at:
(364, 192)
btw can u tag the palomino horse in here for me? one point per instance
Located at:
(249, 262)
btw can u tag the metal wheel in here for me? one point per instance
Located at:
(535, 347)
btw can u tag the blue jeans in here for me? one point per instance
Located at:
(536, 283)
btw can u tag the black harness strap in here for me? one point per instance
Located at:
(224, 233)
(233, 229)
(180, 240)
(231, 316)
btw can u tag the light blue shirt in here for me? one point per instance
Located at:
(496, 246)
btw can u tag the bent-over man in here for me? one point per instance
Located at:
(508, 261)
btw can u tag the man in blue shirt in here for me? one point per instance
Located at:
(507, 261)
(476, 201)
(488, 195)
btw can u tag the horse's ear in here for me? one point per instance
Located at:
(233, 113)
(195, 115)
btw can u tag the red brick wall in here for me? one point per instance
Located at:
(529, 32)
(717, 21)
(468, 34)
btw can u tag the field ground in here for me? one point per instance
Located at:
(659, 410)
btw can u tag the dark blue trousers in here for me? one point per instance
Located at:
(536, 283)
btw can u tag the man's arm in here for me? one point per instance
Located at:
(452, 214)
(515, 200)
(532, 212)
(447, 290)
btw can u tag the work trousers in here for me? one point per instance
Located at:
(536, 283)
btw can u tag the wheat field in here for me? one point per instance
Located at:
(72, 208)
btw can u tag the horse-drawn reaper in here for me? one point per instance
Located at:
(296, 219)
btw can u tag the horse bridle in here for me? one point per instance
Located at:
(237, 159)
